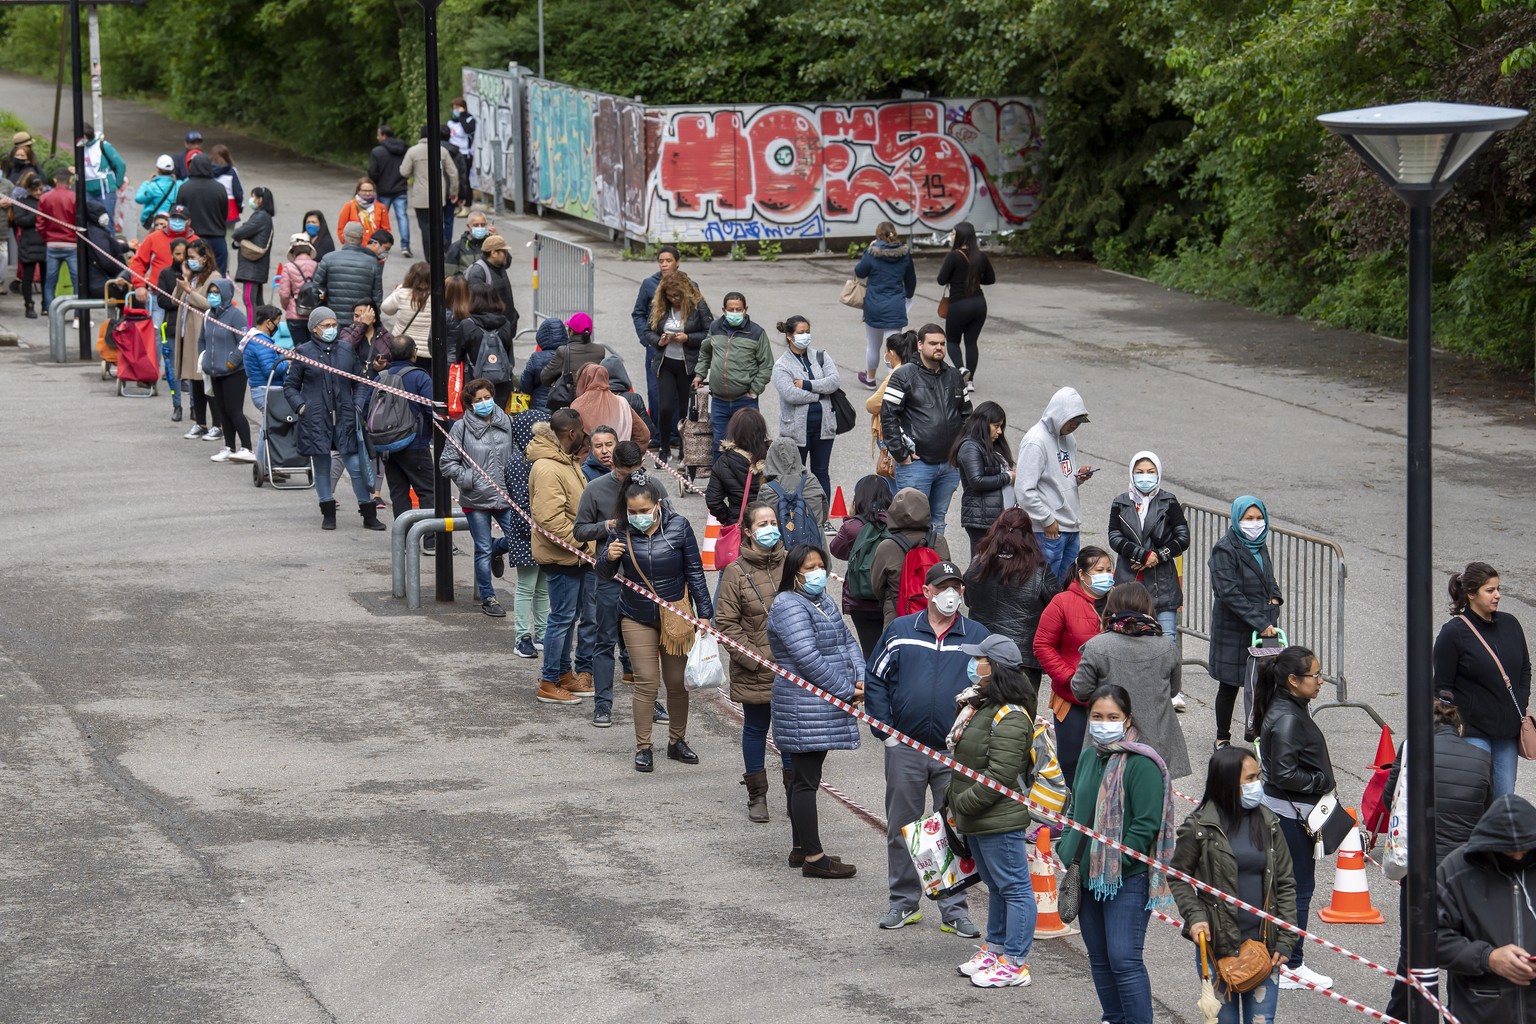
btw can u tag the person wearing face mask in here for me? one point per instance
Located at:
(1232, 842)
(266, 361)
(655, 549)
(1068, 622)
(297, 271)
(809, 639)
(1048, 477)
(900, 348)
(994, 735)
(1130, 654)
(191, 298)
(918, 668)
(319, 234)
(483, 436)
(986, 470)
(1245, 600)
(154, 255)
(679, 320)
(327, 405)
(259, 231)
(380, 244)
(491, 269)
(165, 321)
(1122, 792)
(805, 378)
(1297, 773)
(158, 194)
(461, 138)
(351, 276)
(742, 600)
(1148, 532)
(735, 362)
(384, 172)
(463, 253)
(224, 364)
(909, 526)
(555, 483)
(1487, 917)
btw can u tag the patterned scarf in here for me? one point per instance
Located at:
(1135, 624)
(1104, 863)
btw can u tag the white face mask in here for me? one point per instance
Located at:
(1253, 794)
(1106, 732)
(1253, 529)
(947, 601)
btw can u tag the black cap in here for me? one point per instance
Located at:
(179, 211)
(942, 571)
(194, 136)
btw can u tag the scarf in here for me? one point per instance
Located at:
(969, 700)
(1104, 863)
(1135, 624)
(1241, 506)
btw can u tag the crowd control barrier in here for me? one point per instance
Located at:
(1311, 573)
(564, 278)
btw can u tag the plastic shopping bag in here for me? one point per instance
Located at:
(943, 869)
(705, 669)
(1394, 862)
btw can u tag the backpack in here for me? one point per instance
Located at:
(914, 573)
(492, 363)
(795, 517)
(309, 297)
(1042, 779)
(861, 560)
(392, 420)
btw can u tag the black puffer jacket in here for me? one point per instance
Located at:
(923, 411)
(669, 559)
(349, 277)
(984, 473)
(696, 327)
(1463, 788)
(1486, 903)
(32, 248)
(1011, 609)
(205, 199)
(330, 402)
(728, 483)
(464, 339)
(1165, 532)
(258, 229)
(1241, 593)
(1294, 753)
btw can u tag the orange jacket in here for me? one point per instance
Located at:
(154, 255)
(371, 220)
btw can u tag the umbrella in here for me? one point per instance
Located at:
(1209, 1005)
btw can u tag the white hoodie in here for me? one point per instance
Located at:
(1046, 487)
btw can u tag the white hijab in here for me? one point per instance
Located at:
(1140, 501)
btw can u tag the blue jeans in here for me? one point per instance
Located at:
(1060, 554)
(1506, 761)
(1003, 863)
(1114, 932)
(220, 249)
(560, 630)
(325, 486)
(109, 200)
(938, 481)
(57, 257)
(1304, 862)
(1170, 623)
(721, 411)
(480, 531)
(398, 216)
(1254, 1007)
(598, 636)
(652, 391)
(756, 718)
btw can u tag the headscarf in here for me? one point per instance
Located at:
(1104, 863)
(1141, 502)
(598, 405)
(1239, 508)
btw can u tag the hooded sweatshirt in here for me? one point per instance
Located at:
(384, 168)
(222, 334)
(1046, 487)
(910, 518)
(206, 200)
(783, 467)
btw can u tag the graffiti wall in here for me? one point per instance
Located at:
(492, 99)
(586, 154)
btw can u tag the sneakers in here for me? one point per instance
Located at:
(554, 693)
(1002, 974)
(1304, 974)
(406, 252)
(243, 455)
(222, 455)
(828, 530)
(827, 867)
(602, 718)
(1178, 703)
(962, 927)
(868, 381)
(524, 648)
(214, 434)
(196, 432)
(895, 918)
(659, 713)
(983, 961)
(538, 644)
(493, 608)
(581, 685)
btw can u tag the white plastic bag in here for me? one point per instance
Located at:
(1394, 860)
(705, 667)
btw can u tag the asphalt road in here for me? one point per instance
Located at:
(243, 784)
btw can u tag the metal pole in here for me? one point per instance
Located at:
(81, 255)
(95, 37)
(541, 38)
(1420, 885)
(435, 257)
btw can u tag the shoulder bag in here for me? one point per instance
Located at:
(853, 293)
(1328, 825)
(1248, 969)
(677, 634)
(842, 409)
(944, 299)
(728, 544)
(1069, 901)
(1527, 725)
(253, 253)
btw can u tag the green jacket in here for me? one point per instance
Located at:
(1143, 813)
(1204, 851)
(735, 361)
(999, 751)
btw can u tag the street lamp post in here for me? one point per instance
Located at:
(441, 504)
(1418, 149)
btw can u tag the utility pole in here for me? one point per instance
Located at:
(95, 37)
(441, 506)
(82, 254)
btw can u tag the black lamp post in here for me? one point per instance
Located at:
(442, 503)
(1418, 149)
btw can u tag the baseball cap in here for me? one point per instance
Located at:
(942, 571)
(996, 648)
(194, 136)
(579, 323)
(179, 211)
(492, 243)
(164, 163)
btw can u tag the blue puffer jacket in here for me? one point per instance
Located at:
(669, 558)
(550, 337)
(260, 359)
(887, 271)
(810, 639)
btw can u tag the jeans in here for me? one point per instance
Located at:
(937, 480)
(107, 198)
(56, 257)
(910, 779)
(560, 631)
(1114, 931)
(1304, 861)
(532, 612)
(598, 636)
(1003, 863)
(1170, 623)
(805, 831)
(325, 489)
(1506, 761)
(1258, 1005)
(756, 718)
(1060, 554)
(397, 208)
(220, 249)
(819, 454)
(480, 531)
(721, 410)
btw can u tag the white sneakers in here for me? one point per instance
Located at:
(1178, 703)
(225, 455)
(984, 960)
(222, 455)
(987, 970)
(1305, 974)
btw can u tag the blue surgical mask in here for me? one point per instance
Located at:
(800, 341)
(177, 224)
(1101, 583)
(1253, 794)
(1146, 483)
(194, 265)
(312, 230)
(767, 536)
(735, 319)
(642, 521)
(253, 203)
(815, 582)
(484, 407)
(328, 335)
(973, 673)
(1106, 732)
(478, 234)
(215, 300)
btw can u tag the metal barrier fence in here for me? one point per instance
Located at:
(1311, 574)
(564, 278)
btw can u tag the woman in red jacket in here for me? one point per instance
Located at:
(1068, 622)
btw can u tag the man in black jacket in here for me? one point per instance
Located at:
(463, 253)
(925, 406)
(207, 207)
(384, 169)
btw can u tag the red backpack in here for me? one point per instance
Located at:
(914, 573)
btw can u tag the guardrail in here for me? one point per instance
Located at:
(1311, 573)
(564, 278)
(58, 342)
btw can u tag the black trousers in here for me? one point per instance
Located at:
(805, 767)
(194, 386)
(673, 382)
(868, 626)
(406, 469)
(228, 400)
(963, 324)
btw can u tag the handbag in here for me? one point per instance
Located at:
(842, 409)
(944, 299)
(677, 634)
(1248, 969)
(1328, 825)
(728, 544)
(853, 293)
(1069, 900)
(944, 866)
(885, 464)
(455, 391)
(253, 253)
(1394, 862)
(1527, 725)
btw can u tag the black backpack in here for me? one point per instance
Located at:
(492, 363)
(392, 420)
(310, 297)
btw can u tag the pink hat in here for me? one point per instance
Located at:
(579, 323)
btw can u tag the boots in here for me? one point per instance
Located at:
(328, 515)
(31, 310)
(370, 513)
(757, 795)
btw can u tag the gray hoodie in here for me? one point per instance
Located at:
(1046, 486)
(783, 467)
(223, 333)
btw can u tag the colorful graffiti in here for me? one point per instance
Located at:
(586, 154)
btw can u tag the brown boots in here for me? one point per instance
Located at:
(757, 795)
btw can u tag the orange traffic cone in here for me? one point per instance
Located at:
(1386, 752)
(1042, 874)
(711, 534)
(839, 506)
(1351, 890)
